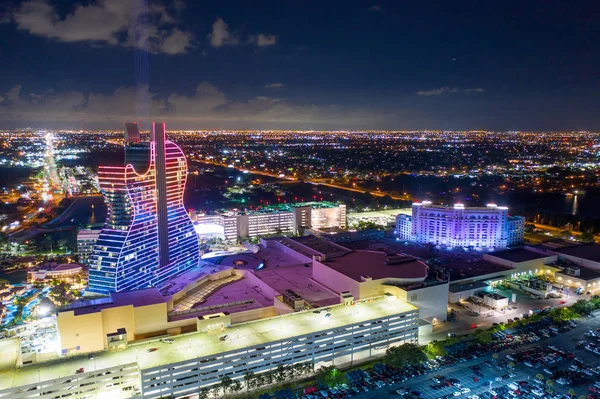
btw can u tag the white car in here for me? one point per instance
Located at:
(456, 393)
(537, 392)
(498, 379)
(465, 390)
(167, 340)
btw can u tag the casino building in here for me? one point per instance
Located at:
(148, 236)
(459, 226)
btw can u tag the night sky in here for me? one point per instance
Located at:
(502, 65)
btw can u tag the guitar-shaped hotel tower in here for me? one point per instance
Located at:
(148, 236)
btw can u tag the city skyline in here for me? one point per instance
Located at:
(364, 199)
(469, 66)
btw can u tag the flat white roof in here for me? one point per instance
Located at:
(205, 344)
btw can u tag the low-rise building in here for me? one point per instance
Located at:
(270, 220)
(351, 236)
(459, 292)
(579, 278)
(53, 271)
(583, 255)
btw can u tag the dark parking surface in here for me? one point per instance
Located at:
(464, 374)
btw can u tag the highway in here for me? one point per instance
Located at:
(289, 179)
(555, 229)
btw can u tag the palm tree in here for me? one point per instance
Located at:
(549, 383)
(495, 357)
(249, 378)
(203, 393)
(540, 377)
(511, 365)
(268, 377)
(226, 382)
(280, 374)
(298, 369)
(572, 392)
(216, 390)
(258, 380)
(235, 386)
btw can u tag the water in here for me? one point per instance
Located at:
(17, 277)
(85, 211)
(585, 206)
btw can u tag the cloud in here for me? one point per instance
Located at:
(376, 8)
(474, 90)
(106, 22)
(264, 40)
(206, 107)
(437, 92)
(448, 90)
(220, 35)
(276, 85)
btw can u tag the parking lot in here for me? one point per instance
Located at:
(464, 320)
(482, 387)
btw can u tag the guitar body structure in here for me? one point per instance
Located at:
(148, 236)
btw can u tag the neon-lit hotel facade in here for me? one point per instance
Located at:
(459, 226)
(148, 236)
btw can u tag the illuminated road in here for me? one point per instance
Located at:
(290, 179)
(558, 230)
(358, 190)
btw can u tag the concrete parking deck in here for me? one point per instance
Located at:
(205, 344)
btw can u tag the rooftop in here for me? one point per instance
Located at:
(589, 251)
(584, 274)
(489, 207)
(296, 246)
(136, 298)
(378, 265)
(299, 279)
(461, 287)
(325, 247)
(201, 344)
(67, 266)
(471, 268)
(285, 207)
(179, 282)
(88, 233)
(517, 255)
(552, 244)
